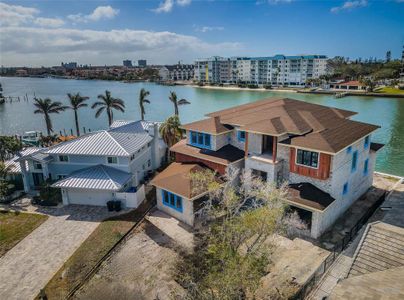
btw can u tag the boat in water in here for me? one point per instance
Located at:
(31, 138)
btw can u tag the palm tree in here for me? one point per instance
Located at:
(4, 185)
(176, 102)
(142, 100)
(46, 107)
(76, 102)
(170, 131)
(108, 103)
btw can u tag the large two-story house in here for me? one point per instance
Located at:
(99, 166)
(326, 158)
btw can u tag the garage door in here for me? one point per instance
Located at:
(86, 197)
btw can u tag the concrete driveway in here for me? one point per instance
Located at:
(28, 267)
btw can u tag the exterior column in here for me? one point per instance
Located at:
(274, 148)
(246, 145)
(45, 171)
(25, 176)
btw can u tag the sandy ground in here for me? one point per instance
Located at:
(140, 269)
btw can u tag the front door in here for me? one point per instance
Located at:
(38, 179)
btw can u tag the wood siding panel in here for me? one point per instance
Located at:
(182, 158)
(322, 172)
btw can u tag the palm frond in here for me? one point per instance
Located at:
(183, 102)
(99, 111)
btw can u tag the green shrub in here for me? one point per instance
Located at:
(49, 196)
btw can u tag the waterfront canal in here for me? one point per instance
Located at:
(17, 117)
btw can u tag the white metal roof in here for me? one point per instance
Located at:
(14, 165)
(98, 177)
(118, 141)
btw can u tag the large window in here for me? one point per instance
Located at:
(354, 161)
(241, 136)
(37, 165)
(172, 200)
(112, 160)
(307, 158)
(200, 140)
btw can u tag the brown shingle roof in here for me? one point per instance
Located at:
(316, 127)
(176, 179)
(308, 195)
(223, 156)
(211, 125)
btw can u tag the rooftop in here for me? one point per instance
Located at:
(176, 179)
(97, 177)
(312, 126)
(224, 156)
(307, 195)
(210, 125)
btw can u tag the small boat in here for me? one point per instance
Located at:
(31, 138)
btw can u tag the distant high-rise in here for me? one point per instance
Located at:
(388, 56)
(70, 65)
(142, 63)
(127, 63)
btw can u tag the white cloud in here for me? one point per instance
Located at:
(349, 5)
(184, 2)
(49, 22)
(259, 2)
(208, 28)
(13, 15)
(164, 7)
(49, 46)
(167, 6)
(100, 13)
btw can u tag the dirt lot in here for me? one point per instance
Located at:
(140, 269)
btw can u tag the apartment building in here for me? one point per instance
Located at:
(326, 158)
(278, 70)
(177, 72)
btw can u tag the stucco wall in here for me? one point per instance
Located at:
(187, 215)
(254, 143)
(235, 142)
(271, 169)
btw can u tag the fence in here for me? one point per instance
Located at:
(348, 237)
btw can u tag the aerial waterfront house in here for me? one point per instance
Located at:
(326, 158)
(99, 166)
(278, 70)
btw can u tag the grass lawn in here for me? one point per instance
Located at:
(390, 90)
(92, 250)
(14, 226)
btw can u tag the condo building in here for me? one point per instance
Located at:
(278, 70)
(326, 158)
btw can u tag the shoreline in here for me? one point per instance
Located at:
(236, 88)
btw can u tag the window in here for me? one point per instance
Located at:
(354, 161)
(112, 160)
(61, 176)
(366, 167)
(367, 139)
(149, 163)
(172, 200)
(63, 158)
(241, 136)
(132, 157)
(37, 165)
(200, 140)
(349, 149)
(345, 189)
(307, 158)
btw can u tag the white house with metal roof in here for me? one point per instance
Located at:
(99, 166)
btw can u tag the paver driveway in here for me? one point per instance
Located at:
(28, 267)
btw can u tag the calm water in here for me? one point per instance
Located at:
(18, 117)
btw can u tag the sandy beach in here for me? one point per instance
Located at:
(236, 88)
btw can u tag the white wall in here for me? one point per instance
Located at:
(187, 215)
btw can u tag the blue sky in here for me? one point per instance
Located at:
(36, 33)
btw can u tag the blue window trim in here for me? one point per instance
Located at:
(345, 189)
(349, 149)
(366, 167)
(367, 140)
(177, 199)
(206, 140)
(239, 137)
(354, 161)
